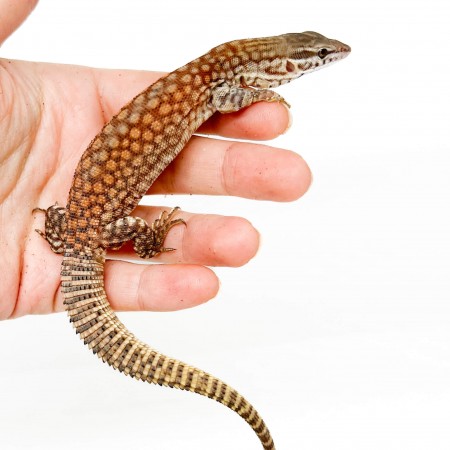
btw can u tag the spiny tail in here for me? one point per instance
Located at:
(98, 326)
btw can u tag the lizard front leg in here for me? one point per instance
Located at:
(228, 98)
(148, 240)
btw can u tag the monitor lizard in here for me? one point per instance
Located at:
(122, 162)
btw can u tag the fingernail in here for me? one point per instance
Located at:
(290, 119)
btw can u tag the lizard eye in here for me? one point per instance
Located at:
(322, 53)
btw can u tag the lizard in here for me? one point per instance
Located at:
(119, 166)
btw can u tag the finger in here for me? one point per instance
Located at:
(209, 240)
(258, 122)
(133, 287)
(242, 169)
(206, 240)
(261, 121)
(12, 14)
(156, 287)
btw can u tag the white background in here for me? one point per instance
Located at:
(339, 330)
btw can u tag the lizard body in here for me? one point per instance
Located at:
(122, 162)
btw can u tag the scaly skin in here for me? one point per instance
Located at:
(120, 165)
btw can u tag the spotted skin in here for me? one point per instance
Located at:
(120, 165)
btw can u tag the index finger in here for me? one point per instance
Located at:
(261, 121)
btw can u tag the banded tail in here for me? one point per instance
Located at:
(99, 327)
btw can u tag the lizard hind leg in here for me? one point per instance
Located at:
(55, 225)
(148, 240)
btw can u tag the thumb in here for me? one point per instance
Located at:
(12, 14)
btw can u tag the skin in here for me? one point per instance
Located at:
(48, 115)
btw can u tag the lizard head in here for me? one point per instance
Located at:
(309, 51)
(289, 56)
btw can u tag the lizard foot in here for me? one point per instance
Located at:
(148, 240)
(55, 225)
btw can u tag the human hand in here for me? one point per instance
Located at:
(49, 114)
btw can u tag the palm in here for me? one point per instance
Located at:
(49, 114)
